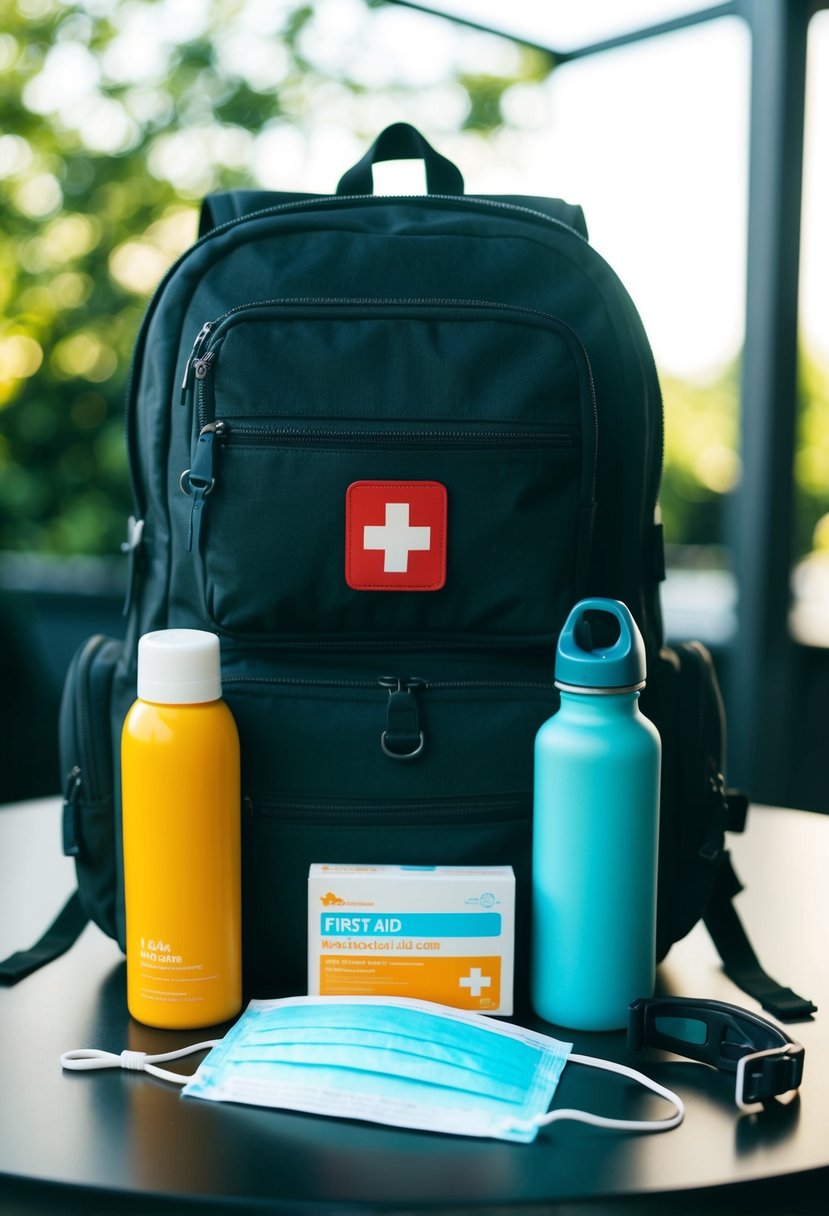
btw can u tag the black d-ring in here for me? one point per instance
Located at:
(189, 484)
(401, 755)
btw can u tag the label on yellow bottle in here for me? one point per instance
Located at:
(182, 864)
(167, 976)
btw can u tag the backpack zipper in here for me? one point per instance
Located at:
(85, 778)
(403, 737)
(291, 436)
(192, 359)
(427, 810)
(386, 681)
(199, 480)
(422, 643)
(88, 738)
(203, 363)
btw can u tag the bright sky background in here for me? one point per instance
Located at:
(651, 139)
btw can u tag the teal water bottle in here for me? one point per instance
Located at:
(595, 828)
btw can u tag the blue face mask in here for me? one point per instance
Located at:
(400, 1062)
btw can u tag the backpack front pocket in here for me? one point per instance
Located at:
(344, 762)
(384, 405)
(282, 837)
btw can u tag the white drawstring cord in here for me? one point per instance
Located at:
(84, 1058)
(625, 1125)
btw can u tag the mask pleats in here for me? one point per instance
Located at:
(398, 1063)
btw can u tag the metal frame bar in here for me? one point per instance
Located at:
(761, 660)
(589, 48)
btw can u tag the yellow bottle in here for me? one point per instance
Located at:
(181, 836)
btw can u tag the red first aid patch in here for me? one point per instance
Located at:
(395, 535)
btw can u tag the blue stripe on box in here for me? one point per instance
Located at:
(412, 924)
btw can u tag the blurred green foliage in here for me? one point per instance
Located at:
(702, 465)
(701, 462)
(812, 457)
(117, 116)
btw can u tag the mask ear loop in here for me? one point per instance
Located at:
(85, 1058)
(625, 1125)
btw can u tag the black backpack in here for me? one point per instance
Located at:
(381, 446)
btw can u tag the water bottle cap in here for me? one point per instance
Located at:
(600, 647)
(179, 667)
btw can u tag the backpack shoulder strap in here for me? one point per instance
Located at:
(740, 962)
(63, 932)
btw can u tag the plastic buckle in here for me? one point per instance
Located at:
(402, 739)
(765, 1075)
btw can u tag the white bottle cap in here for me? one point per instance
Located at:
(179, 667)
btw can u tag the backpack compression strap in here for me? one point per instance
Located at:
(63, 932)
(740, 963)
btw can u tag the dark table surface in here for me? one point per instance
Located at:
(124, 1142)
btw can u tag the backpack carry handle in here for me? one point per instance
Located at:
(401, 141)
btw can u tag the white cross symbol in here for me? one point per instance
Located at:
(396, 537)
(476, 981)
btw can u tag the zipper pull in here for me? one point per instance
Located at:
(402, 739)
(201, 365)
(199, 479)
(131, 547)
(71, 794)
(192, 360)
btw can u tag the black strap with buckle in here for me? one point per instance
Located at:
(766, 1061)
(403, 738)
(740, 961)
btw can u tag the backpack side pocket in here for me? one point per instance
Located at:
(86, 753)
(694, 813)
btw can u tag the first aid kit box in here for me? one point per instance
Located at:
(436, 933)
